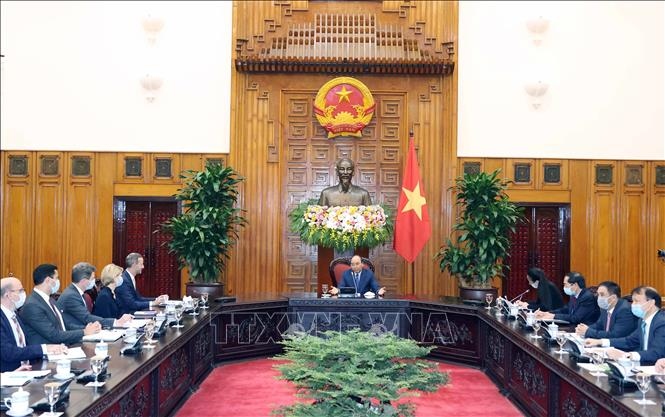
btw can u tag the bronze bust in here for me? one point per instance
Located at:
(345, 193)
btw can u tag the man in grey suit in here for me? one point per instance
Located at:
(72, 304)
(40, 315)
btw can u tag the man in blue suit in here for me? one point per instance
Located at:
(127, 294)
(72, 304)
(616, 319)
(360, 278)
(582, 306)
(647, 343)
(15, 353)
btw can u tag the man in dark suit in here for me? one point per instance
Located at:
(647, 342)
(15, 353)
(360, 278)
(41, 317)
(127, 294)
(72, 304)
(616, 319)
(582, 306)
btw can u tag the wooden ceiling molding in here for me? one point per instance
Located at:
(359, 40)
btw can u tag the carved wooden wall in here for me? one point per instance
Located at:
(57, 207)
(617, 212)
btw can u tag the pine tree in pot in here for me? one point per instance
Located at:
(203, 235)
(486, 217)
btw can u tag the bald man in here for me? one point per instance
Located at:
(15, 354)
(362, 279)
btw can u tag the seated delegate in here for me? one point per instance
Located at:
(582, 306)
(549, 297)
(616, 318)
(363, 280)
(646, 343)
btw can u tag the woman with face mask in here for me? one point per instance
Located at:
(548, 298)
(106, 305)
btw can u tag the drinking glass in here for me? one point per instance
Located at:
(488, 299)
(536, 327)
(324, 289)
(52, 392)
(178, 315)
(598, 357)
(149, 330)
(643, 383)
(97, 365)
(561, 340)
(195, 307)
(204, 300)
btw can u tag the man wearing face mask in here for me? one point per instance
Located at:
(582, 306)
(646, 343)
(616, 318)
(72, 304)
(549, 297)
(42, 319)
(15, 353)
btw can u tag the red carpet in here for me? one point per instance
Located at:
(250, 389)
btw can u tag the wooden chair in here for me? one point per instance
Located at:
(339, 265)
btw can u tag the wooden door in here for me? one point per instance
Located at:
(136, 229)
(541, 240)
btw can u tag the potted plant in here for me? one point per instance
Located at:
(485, 219)
(202, 236)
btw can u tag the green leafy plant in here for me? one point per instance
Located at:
(482, 231)
(356, 373)
(342, 228)
(202, 236)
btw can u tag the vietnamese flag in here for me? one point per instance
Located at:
(412, 228)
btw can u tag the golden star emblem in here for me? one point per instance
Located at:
(416, 201)
(344, 94)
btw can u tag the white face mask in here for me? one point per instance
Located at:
(534, 284)
(91, 284)
(118, 281)
(21, 299)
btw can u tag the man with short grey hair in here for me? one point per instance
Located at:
(15, 353)
(72, 304)
(127, 294)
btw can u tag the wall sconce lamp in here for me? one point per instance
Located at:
(151, 84)
(537, 26)
(536, 90)
(152, 26)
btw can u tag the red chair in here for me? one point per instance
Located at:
(339, 265)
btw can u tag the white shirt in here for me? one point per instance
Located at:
(634, 356)
(47, 299)
(10, 317)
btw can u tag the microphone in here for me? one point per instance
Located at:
(520, 296)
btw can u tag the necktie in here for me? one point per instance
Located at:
(644, 335)
(607, 325)
(55, 311)
(573, 303)
(356, 278)
(21, 337)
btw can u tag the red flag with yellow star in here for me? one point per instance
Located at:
(412, 228)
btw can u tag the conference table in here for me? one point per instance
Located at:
(156, 382)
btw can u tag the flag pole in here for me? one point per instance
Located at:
(412, 264)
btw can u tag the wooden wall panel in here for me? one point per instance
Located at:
(17, 218)
(49, 205)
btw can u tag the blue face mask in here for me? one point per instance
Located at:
(568, 291)
(91, 284)
(118, 281)
(55, 288)
(637, 310)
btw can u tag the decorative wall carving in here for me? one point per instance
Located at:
(133, 167)
(552, 173)
(18, 166)
(527, 373)
(49, 165)
(583, 408)
(495, 347)
(80, 166)
(604, 174)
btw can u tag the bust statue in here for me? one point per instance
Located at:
(345, 193)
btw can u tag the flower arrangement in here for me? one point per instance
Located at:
(341, 227)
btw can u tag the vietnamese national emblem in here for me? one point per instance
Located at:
(344, 106)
